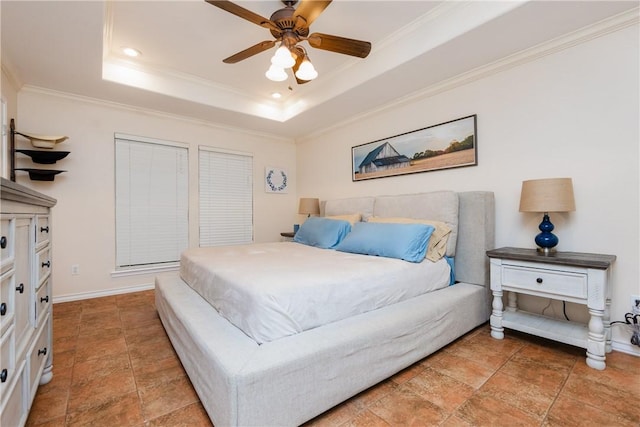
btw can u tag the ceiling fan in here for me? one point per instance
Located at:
(289, 26)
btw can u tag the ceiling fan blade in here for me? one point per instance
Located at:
(308, 11)
(243, 13)
(253, 50)
(340, 45)
(299, 54)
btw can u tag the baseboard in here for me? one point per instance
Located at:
(98, 294)
(625, 347)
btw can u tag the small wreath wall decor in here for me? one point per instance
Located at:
(276, 180)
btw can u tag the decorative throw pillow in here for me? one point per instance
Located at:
(352, 218)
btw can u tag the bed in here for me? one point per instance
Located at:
(245, 378)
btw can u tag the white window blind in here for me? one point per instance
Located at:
(152, 201)
(226, 198)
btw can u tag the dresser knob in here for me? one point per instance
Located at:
(20, 288)
(44, 299)
(539, 280)
(43, 351)
(46, 264)
(3, 309)
(3, 375)
(44, 229)
(3, 242)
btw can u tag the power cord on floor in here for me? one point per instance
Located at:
(632, 320)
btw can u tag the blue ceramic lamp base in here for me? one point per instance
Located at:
(546, 240)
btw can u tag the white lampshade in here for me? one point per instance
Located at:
(306, 70)
(283, 58)
(276, 74)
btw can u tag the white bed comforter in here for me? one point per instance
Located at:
(272, 290)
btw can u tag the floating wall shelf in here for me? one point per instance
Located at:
(44, 157)
(41, 174)
(37, 156)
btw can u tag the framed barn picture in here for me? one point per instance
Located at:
(446, 145)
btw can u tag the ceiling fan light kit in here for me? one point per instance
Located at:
(290, 26)
(282, 58)
(306, 71)
(276, 74)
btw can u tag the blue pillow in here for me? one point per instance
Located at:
(403, 241)
(322, 232)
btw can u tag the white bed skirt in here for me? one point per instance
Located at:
(293, 379)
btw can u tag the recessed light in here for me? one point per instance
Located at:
(276, 95)
(129, 51)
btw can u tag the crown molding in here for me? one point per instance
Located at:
(150, 112)
(567, 41)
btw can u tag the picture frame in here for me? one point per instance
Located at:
(447, 145)
(276, 180)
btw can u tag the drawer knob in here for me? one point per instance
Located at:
(539, 280)
(44, 229)
(44, 299)
(20, 288)
(3, 309)
(3, 242)
(43, 351)
(3, 375)
(46, 264)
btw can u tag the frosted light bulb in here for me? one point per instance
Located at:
(276, 74)
(306, 71)
(283, 58)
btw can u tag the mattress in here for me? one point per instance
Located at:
(290, 287)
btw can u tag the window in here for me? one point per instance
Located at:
(152, 201)
(226, 197)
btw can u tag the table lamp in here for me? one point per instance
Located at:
(547, 195)
(309, 206)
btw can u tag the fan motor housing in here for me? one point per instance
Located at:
(285, 20)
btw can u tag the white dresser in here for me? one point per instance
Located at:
(25, 299)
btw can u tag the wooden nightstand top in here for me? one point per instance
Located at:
(578, 259)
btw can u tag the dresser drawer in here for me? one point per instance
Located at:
(43, 301)
(7, 301)
(37, 356)
(7, 246)
(43, 265)
(562, 283)
(42, 230)
(13, 411)
(7, 361)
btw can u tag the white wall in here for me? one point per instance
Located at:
(9, 91)
(571, 114)
(83, 219)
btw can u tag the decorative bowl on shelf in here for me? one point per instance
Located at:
(44, 157)
(43, 141)
(41, 174)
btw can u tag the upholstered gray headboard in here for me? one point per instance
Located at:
(470, 215)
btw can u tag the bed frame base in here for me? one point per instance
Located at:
(293, 379)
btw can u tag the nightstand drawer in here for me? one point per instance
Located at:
(557, 282)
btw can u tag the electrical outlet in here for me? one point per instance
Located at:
(635, 304)
(75, 269)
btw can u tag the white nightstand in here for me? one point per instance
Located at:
(568, 276)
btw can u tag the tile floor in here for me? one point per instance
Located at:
(114, 366)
